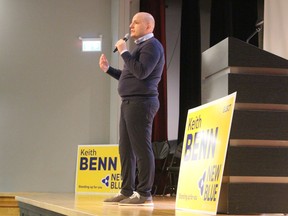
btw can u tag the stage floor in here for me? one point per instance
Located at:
(91, 205)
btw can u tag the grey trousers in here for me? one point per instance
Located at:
(135, 146)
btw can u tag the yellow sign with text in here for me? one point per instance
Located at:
(98, 169)
(203, 155)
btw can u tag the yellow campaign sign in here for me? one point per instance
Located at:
(204, 150)
(98, 169)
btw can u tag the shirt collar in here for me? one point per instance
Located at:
(144, 38)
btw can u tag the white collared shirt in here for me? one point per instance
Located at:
(144, 38)
(140, 40)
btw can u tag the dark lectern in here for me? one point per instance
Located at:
(256, 171)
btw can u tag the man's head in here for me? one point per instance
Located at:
(142, 24)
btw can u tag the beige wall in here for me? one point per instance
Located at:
(276, 27)
(52, 96)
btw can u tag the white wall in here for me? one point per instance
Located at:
(275, 27)
(52, 96)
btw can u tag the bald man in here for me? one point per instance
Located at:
(138, 89)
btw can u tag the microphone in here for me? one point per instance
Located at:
(126, 37)
(258, 26)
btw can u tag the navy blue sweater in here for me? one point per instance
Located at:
(142, 70)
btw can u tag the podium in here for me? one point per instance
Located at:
(255, 177)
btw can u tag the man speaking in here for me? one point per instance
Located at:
(138, 89)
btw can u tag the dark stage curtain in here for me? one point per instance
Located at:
(157, 9)
(233, 18)
(190, 62)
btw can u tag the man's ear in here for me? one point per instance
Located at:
(149, 27)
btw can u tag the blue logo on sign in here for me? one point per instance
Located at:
(201, 183)
(106, 181)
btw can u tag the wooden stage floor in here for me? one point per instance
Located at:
(91, 205)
